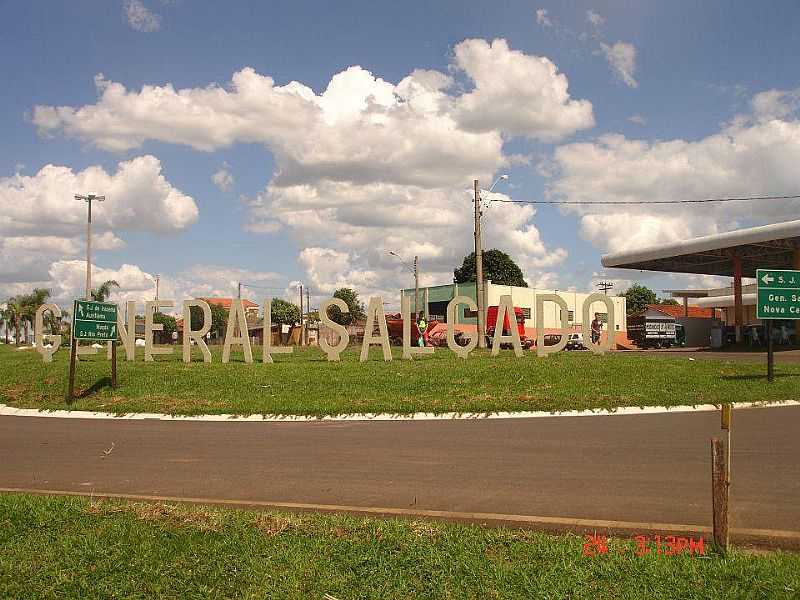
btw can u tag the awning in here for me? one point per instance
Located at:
(725, 301)
(768, 246)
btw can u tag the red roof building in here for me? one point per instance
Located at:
(678, 311)
(225, 303)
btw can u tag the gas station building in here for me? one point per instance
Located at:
(736, 254)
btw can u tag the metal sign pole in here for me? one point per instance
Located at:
(72, 355)
(770, 353)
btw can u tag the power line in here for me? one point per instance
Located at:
(628, 202)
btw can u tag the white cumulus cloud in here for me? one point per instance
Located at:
(621, 56)
(223, 179)
(751, 156)
(141, 18)
(367, 165)
(41, 223)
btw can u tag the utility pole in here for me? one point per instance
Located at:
(416, 286)
(240, 291)
(302, 323)
(479, 270)
(308, 313)
(158, 281)
(88, 199)
(604, 286)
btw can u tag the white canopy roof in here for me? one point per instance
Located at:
(768, 246)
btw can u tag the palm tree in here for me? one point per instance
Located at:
(104, 291)
(30, 304)
(14, 311)
(4, 318)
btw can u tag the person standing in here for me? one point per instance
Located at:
(597, 328)
(422, 330)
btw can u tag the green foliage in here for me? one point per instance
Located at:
(285, 313)
(102, 293)
(354, 305)
(669, 302)
(219, 319)
(637, 297)
(168, 321)
(498, 267)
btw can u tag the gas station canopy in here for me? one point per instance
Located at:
(768, 246)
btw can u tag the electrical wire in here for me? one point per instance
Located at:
(629, 202)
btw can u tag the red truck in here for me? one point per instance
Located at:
(394, 326)
(491, 325)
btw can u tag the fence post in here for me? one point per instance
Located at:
(719, 495)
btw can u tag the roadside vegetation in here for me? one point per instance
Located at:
(305, 383)
(56, 547)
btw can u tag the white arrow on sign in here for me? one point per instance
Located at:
(767, 279)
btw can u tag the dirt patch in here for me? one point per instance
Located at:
(14, 393)
(171, 514)
(275, 524)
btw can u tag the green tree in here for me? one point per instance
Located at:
(30, 303)
(284, 313)
(219, 319)
(14, 314)
(637, 297)
(498, 267)
(669, 302)
(5, 319)
(354, 305)
(168, 321)
(102, 293)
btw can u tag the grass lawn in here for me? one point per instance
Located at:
(305, 383)
(75, 548)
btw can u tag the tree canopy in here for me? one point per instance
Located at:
(168, 321)
(219, 318)
(637, 297)
(498, 267)
(354, 305)
(285, 313)
(102, 293)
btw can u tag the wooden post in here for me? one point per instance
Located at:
(72, 354)
(114, 364)
(719, 495)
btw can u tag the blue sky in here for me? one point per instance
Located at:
(695, 72)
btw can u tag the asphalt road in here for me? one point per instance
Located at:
(644, 468)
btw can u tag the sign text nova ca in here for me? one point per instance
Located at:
(236, 332)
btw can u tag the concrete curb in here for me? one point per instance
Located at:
(769, 538)
(450, 416)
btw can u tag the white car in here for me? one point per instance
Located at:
(575, 342)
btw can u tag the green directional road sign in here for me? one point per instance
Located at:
(94, 321)
(778, 294)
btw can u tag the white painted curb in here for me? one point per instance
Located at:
(621, 411)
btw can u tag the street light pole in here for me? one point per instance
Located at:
(479, 293)
(88, 199)
(479, 269)
(416, 285)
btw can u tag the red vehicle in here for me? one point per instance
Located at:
(491, 325)
(394, 325)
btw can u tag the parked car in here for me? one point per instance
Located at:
(575, 342)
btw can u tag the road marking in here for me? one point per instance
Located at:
(560, 523)
(11, 411)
